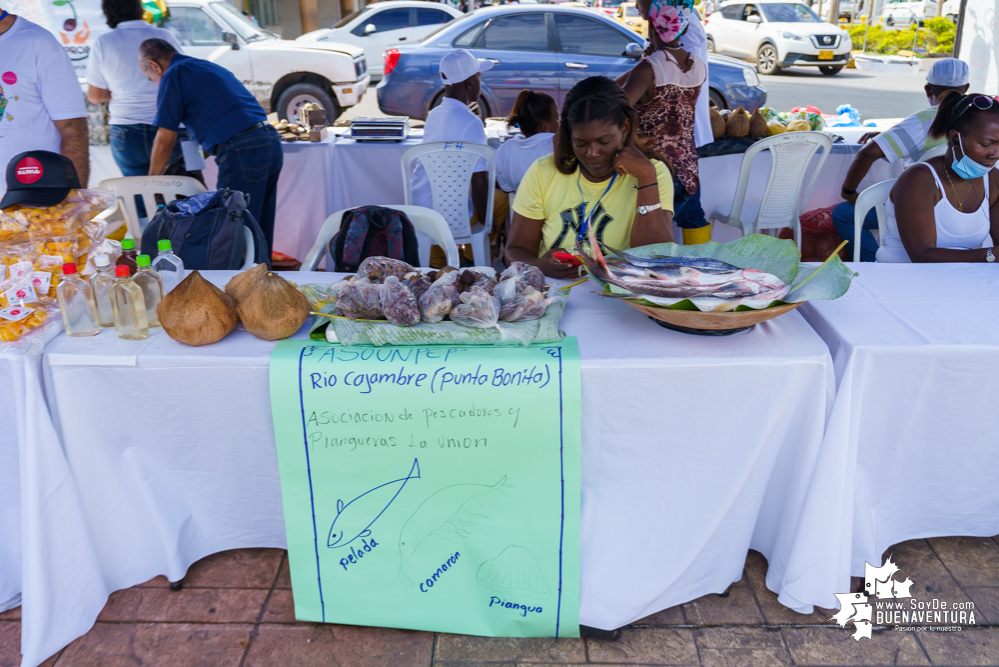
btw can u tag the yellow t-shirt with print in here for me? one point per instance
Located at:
(547, 194)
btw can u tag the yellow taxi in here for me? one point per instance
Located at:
(627, 13)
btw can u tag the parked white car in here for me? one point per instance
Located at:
(901, 12)
(282, 74)
(385, 25)
(777, 34)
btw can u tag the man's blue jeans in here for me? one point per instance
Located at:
(842, 216)
(687, 211)
(251, 163)
(132, 147)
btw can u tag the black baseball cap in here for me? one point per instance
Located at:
(39, 178)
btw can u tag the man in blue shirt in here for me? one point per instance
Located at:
(225, 119)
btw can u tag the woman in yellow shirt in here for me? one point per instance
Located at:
(597, 175)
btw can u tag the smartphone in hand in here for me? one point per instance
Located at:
(567, 257)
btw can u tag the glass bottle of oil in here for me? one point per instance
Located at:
(151, 284)
(79, 315)
(100, 286)
(129, 306)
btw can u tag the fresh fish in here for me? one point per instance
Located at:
(355, 519)
(705, 264)
(682, 281)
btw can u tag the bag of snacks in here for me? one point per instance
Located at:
(35, 241)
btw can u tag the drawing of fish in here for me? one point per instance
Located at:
(354, 519)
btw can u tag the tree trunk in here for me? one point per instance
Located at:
(834, 12)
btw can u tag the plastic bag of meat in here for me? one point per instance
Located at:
(417, 282)
(477, 277)
(438, 301)
(478, 309)
(529, 304)
(377, 269)
(360, 300)
(398, 303)
(525, 273)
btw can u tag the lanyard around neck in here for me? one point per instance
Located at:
(585, 221)
(4, 15)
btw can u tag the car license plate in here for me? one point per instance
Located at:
(825, 55)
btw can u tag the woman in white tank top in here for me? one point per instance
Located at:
(945, 209)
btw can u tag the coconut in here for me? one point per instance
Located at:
(243, 283)
(717, 123)
(738, 123)
(273, 309)
(196, 312)
(757, 125)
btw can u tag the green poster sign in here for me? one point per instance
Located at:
(431, 488)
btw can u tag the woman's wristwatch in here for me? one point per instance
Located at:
(989, 257)
(643, 209)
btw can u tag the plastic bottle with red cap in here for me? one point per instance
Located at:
(79, 313)
(129, 306)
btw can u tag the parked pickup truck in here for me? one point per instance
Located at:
(282, 74)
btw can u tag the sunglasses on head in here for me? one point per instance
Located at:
(980, 102)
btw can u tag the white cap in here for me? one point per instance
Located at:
(460, 64)
(102, 260)
(949, 72)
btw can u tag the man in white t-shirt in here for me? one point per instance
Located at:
(114, 76)
(454, 121)
(907, 141)
(41, 106)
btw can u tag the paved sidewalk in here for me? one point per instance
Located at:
(236, 610)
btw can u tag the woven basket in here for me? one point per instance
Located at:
(695, 319)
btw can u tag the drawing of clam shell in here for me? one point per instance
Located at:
(515, 572)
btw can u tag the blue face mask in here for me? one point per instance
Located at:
(967, 168)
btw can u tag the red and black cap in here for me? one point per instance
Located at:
(39, 178)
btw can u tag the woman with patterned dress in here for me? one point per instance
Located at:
(663, 87)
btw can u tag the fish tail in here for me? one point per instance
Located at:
(595, 265)
(414, 472)
(502, 484)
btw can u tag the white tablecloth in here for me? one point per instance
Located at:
(695, 449)
(24, 417)
(916, 350)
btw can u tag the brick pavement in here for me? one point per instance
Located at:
(236, 610)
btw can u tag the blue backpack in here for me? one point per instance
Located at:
(206, 231)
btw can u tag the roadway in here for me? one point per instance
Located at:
(874, 94)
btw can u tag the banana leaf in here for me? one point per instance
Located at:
(778, 257)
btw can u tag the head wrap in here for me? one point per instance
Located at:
(670, 17)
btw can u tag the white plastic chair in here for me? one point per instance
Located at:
(147, 187)
(933, 152)
(786, 194)
(449, 166)
(875, 197)
(113, 217)
(425, 221)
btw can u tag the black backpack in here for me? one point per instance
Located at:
(206, 231)
(373, 231)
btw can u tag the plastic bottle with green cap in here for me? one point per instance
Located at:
(151, 284)
(127, 257)
(168, 265)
